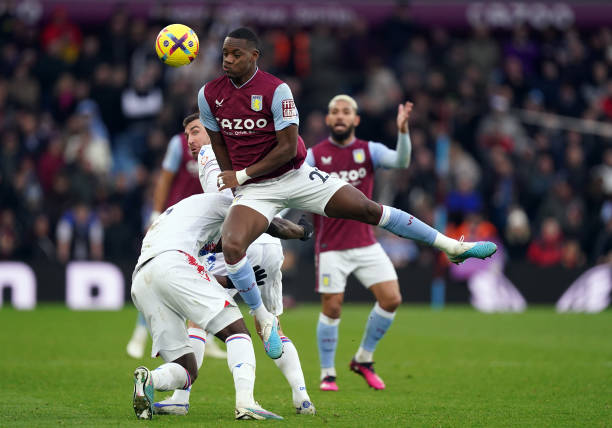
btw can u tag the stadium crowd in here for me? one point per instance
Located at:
(86, 113)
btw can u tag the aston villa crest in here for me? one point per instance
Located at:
(359, 156)
(256, 102)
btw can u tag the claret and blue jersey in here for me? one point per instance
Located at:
(354, 163)
(248, 117)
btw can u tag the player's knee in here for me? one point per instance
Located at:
(332, 309)
(391, 302)
(233, 251)
(372, 212)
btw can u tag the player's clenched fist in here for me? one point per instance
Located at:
(403, 114)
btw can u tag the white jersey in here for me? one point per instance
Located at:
(208, 170)
(192, 225)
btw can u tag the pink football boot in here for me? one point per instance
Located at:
(329, 384)
(367, 371)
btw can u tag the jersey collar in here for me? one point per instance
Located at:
(250, 78)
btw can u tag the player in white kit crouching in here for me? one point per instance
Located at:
(169, 287)
(266, 252)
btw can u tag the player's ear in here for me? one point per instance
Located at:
(255, 53)
(328, 120)
(357, 120)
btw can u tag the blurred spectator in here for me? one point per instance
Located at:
(9, 236)
(547, 248)
(518, 233)
(80, 235)
(42, 247)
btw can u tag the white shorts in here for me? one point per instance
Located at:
(172, 288)
(370, 265)
(306, 188)
(266, 252)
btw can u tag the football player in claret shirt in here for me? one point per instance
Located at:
(343, 246)
(252, 122)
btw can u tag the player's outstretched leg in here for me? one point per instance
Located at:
(178, 403)
(327, 340)
(289, 365)
(408, 226)
(243, 278)
(362, 363)
(241, 362)
(350, 203)
(138, 342)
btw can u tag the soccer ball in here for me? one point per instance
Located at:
(177, 45)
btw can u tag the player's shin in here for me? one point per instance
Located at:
(243, 277)
(241, 362)
(378, 323)
(327, 339)
(170, 376)
(406, 225)
(289, 364)
(198, 342)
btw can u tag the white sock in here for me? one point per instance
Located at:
(170, 376)
(197, 340)
(181, 395)
(261, 313)
(363, 356)
(289, 364)
(198, 343)
(241, 362)
(444, 243)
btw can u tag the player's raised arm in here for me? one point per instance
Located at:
(384, 157)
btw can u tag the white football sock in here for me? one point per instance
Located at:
(289, 364)
(197, 340)
(241, 362)
(170, 376)
(181, 395)
(444, 243)
(198, 343)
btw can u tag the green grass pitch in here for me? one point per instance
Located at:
(448, 368)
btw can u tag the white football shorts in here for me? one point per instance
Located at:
(172, 288)
(267, 252)
(370, 265)
(305, 188)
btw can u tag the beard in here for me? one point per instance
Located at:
(341, 136)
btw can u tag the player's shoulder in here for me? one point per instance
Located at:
(214, 85)
(206, 154)
(267, 80)
(321, 145)
(266, 77)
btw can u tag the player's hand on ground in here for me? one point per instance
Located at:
(308, 228)
(260, 275)
(227, 180)
(403, 114)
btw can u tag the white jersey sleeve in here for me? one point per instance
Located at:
(193, 226)
(208, 170)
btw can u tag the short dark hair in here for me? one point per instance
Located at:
(190, 118)
(245, 34)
